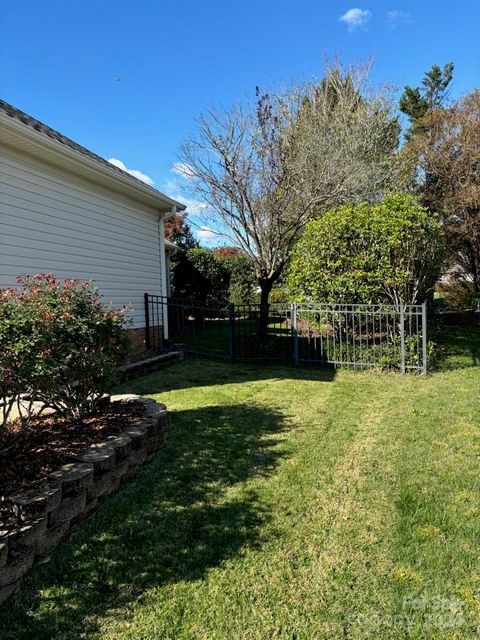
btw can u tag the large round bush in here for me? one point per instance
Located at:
(369, 253)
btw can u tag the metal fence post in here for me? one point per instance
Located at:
(165, 327)
(424, 337)
(231, 324)
(402, 338)
(294, 331)
(147, 322)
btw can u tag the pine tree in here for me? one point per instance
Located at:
(432, 94)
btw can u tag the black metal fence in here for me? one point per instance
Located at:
(358, 336)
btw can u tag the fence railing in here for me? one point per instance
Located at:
(351, 335)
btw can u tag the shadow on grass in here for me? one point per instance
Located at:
(185, 513)
(198, 372)
(459, 348)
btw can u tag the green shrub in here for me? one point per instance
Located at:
(280, 295)
(369, 253)
(199, 275)
(384, 354)
(219, 275)
(58, 345)
(242, 287)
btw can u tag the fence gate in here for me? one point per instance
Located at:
(351, 335)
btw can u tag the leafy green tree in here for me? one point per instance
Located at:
(369, 253)
(415, 102)
(343, 123)
(441, 160)
(178, 231)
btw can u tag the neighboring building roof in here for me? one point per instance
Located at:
(23, 118)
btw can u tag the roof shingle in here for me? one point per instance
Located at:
(35, 124)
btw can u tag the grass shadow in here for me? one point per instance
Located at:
(181, 517)
(458, 348)
(206, 372)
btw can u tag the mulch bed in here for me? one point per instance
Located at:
(51, 442)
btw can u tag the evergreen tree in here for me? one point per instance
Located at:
(415, 102)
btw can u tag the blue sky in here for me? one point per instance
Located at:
(126, 79)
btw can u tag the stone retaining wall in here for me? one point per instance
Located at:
(46, 516)
(152, 362)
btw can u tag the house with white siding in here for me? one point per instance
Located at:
(66, 210)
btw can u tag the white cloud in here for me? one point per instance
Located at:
(194, 207)
(397, 17)
(356, 18)
(182, 169)
(206, 234)
(199, 211)
(133, 172)
(175, 188)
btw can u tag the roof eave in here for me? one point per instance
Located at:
(95, 169)
(171, 247)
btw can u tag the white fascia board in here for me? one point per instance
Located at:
(59, 154)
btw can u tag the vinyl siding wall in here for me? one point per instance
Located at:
(53, 221)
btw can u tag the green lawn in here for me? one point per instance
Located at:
(289, 504)
(212, 338)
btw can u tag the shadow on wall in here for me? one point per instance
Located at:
(173, 524)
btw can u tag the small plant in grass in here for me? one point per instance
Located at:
(58, 344)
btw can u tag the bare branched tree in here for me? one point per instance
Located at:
(267, 167)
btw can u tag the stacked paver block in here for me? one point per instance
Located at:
(45, 515)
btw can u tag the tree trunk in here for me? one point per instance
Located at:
(265, 289)
(476, 274)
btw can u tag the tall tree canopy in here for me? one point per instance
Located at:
(267, 167)
(417, 101)
(345, 136)
(449, 148)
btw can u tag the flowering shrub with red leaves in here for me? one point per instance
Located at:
(58, 345)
